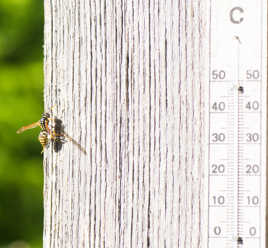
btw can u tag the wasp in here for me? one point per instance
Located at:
(46, 134)
(50, 133)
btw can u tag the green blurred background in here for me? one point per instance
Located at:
(21, 103)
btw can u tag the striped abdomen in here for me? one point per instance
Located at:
(43, 138)
(44, 122)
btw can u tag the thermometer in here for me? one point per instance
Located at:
(237, 124)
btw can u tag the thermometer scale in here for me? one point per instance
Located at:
(237, 124)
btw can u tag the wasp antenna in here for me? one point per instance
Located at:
(51, 108)
(74, 142)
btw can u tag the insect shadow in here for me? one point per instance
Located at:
(62, 137)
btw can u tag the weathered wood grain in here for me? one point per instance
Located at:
(127, 79)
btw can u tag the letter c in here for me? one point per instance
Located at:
(235, 17)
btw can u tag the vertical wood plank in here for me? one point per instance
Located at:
(128, 81)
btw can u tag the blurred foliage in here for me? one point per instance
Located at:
(21, 103)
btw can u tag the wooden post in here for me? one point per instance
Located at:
(128, 81)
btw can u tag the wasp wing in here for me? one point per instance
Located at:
(33, 125)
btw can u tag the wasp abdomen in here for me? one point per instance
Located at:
(43, 138)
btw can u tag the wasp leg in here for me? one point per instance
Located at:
(55, 135)
(43, 148)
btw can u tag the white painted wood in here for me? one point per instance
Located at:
(128, 80)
